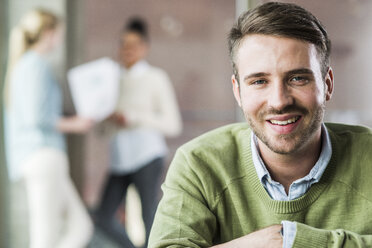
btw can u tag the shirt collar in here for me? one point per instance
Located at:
(315, 173)
(137, 69)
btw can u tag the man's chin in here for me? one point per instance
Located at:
(283, 151)
(283, 147)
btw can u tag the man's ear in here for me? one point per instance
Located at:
(329, 84)
(236, 89)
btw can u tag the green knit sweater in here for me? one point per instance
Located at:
(212, 194)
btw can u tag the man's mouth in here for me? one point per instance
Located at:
(285, 122)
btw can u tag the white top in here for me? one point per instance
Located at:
(149, 105)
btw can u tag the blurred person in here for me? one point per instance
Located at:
(35, 143)
(146, 112)
(285, 178)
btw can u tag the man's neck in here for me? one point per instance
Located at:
(287, 168)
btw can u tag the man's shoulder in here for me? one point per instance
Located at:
(339, 128)
(349, 134)
(213, 159)
(156, 78)
(222, 138)
(351, 143)
(225, 143)
(156, 71)
(351, 156)
(352, 136)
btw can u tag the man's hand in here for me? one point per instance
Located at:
(118, 118)
(267, 237)
(75, 124)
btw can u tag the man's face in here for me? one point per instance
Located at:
(281, 91)
(133, 49)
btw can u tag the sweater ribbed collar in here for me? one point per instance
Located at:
(286, 207)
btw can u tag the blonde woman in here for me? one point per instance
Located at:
(35, 143)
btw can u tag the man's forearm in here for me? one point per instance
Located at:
(310, 237)
(267, 237)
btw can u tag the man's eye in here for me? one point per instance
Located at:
(259, 82)
(300, 79)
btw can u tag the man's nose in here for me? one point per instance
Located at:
(280, 95)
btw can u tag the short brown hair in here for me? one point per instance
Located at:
(284, 20)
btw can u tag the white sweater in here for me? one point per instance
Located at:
(149, 105)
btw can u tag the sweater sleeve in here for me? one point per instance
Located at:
(183, 218)
(310, 237)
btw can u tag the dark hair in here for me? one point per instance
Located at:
(284, 20)
(137, 25)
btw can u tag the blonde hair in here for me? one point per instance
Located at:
(26, 34)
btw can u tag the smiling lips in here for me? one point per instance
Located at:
(284, 125)
(285, 122)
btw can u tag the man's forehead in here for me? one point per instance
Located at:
(272, 41)
(272, 54)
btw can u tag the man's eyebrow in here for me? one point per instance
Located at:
(300, 71)
(291, 72)
(256, 75)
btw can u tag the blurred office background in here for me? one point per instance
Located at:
(188, 40)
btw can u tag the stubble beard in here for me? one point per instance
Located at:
(296, 140)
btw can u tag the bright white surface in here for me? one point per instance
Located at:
(94, 88)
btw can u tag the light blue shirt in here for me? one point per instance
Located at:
(298, 188)
(35, 105)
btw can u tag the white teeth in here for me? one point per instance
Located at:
(282, 123)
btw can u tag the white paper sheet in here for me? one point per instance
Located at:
(94, 88)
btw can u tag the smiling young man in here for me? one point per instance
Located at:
(285, 179)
